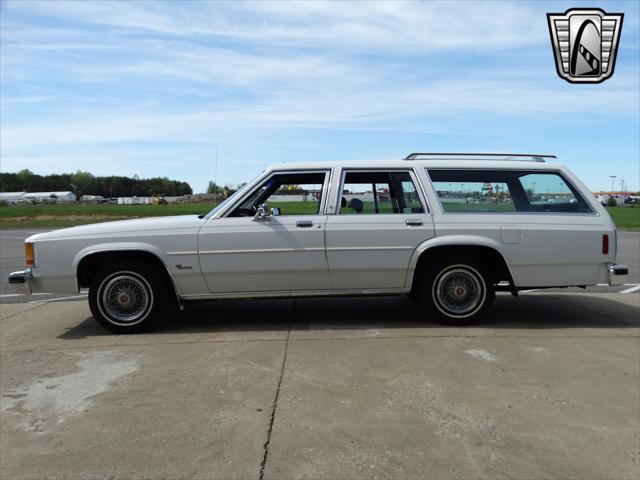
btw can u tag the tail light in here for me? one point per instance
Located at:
(29, 254)
(605, 244)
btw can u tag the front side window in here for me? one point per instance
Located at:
(291, 193)
(379, 193)
(506, 191)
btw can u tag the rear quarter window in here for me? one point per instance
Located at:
(506, 191)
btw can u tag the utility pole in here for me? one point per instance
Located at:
(215, 179)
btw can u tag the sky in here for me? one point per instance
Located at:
(157, 88)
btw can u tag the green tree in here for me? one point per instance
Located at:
(213, 187)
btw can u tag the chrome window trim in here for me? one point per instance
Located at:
(269, 174)
(414, 178)
(593, 212)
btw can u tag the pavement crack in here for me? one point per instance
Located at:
(22, 311)
(274, 407)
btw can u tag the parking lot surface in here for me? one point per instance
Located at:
(548, 387)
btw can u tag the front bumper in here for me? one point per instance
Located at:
(22, 276)
(617, 274)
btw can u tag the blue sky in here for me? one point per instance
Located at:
(154, 88)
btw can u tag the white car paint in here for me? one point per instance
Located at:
(229, 257)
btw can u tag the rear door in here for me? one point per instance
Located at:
(381, 218)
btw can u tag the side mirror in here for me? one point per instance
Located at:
(262, 213)
(275, 212)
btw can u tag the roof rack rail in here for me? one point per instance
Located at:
(521, 157)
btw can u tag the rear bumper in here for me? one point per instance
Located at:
(617, 274)
(21, 276)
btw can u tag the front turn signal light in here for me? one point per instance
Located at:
(29, 254)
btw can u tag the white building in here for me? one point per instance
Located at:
(135, 200)
(58, 197)
(91, 198)
(11, 197)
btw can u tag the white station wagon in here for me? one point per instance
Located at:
(450, 229)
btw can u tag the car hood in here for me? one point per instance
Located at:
(179, 222)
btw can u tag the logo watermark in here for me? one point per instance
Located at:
(585, 42)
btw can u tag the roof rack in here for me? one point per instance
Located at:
(520, 157)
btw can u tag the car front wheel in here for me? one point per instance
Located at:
(456, 292)
(127, 297)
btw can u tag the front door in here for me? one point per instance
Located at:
(280, 251)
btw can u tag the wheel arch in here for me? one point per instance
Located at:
(460, 244)
(90, 259)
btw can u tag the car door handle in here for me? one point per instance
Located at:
(304, 223)
(414, 222)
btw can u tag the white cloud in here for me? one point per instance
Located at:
(432, 103)
(83, 82)
(393, 26)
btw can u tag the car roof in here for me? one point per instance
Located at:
(406, 164)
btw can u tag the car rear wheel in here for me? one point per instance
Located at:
(456, 292)
(127, 297)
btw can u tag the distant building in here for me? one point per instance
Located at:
(58, 197)
(91, 198)
(11, 197)
(146, 200)
(135, 200)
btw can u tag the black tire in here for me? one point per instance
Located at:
(127, 297)
(456, 291)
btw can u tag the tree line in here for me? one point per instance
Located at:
(85, 183)
(223, 191)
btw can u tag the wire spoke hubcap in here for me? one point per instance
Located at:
(459, 291)
(126, 298)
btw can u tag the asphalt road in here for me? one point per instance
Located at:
(361, 388)
(12, 258)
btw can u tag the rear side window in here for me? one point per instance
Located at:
(379, 193)
(549, 192)
(499, 191)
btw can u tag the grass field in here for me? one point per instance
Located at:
(67, 215)
(61, 215)
(625, 218)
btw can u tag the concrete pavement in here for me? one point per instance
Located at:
(548, 387)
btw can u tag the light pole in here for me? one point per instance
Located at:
(612, 177)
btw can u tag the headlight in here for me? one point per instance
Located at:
(29, 254)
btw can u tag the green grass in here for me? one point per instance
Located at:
(479, 207)
(625, 218)
(295, 208)
(67, 215)
(61, 215)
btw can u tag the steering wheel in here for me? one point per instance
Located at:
(246, 212)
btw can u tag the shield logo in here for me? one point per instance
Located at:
(585, 43)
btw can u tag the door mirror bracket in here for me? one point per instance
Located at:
(262, 213)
